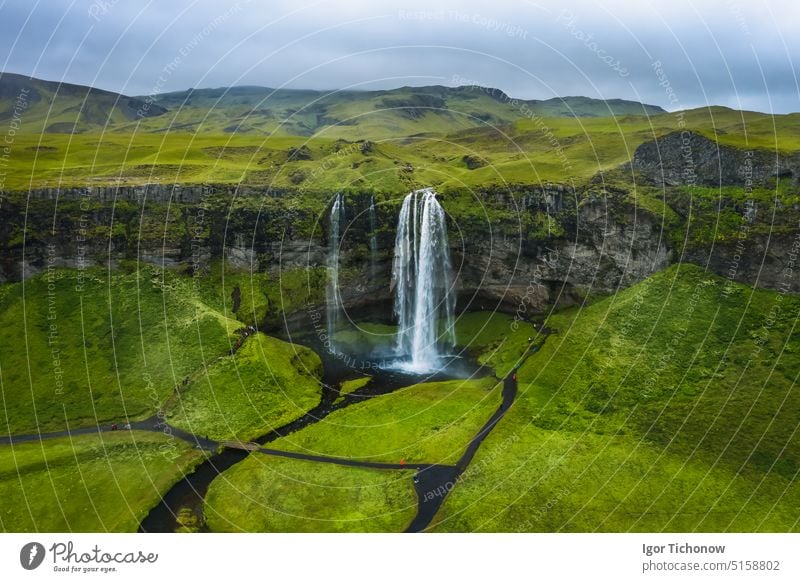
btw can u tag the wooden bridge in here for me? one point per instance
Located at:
(241, 445)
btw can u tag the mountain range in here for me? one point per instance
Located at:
(66, 108)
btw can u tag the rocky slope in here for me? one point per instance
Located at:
(686, 158)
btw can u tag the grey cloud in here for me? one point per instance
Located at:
(721, 52)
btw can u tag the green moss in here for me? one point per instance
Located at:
(497, 340)
(720, 215)
(670, 405)
(92, 347)
(269, 494)
(542, 226)
(266, 384)
(349, 386)
(89, 483)
(551, 481)
(431, 422)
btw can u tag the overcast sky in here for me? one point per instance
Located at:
(739, 53)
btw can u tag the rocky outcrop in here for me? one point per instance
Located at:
(500, 262)
(685, 158)
(598, 253)
(771, 262)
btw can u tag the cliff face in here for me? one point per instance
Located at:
(532, 248)
(752, 216)
(508, 262)
(599, 250)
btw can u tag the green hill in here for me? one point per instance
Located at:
(51, 107)
(368, 114)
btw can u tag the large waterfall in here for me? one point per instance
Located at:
(424, 299)
(332, 294)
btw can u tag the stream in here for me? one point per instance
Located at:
(189, 493)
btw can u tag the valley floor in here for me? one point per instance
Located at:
(670, 406)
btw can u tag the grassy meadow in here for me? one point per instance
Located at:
(266, 384)
(89, 483)
(670, 406)
(271, 494)
(432, 422)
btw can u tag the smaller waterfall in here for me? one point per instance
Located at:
(333, 297)
(373, 239)
(423, 282)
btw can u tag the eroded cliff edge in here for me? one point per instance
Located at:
(682, 197)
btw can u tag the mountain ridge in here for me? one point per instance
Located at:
(68, 108)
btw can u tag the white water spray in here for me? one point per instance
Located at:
(333, 297)
(423, 282)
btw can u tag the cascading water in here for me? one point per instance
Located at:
(373, 239)
(333, 298)
(422, 278)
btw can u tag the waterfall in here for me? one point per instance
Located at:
(333, 298)
(422, 277)
(373, 239)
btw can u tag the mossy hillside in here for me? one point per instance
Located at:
(267, 383)
(528, 479)
(270, 494)
(432, 422)
(89, 483)
(498, 341)
(727, 215)
(92, 347)
(264, 297)
(684, 375)
(683, 358)
(270, 228)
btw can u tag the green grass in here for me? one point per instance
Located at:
(499, 341)
(267, 383)
(549, 481)
(431, 423)
(718, 214)
(82, 348)
(269, 494)
(519, 151)
(680, 390)
(264, 297)
(88, 483)
(349, 386)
